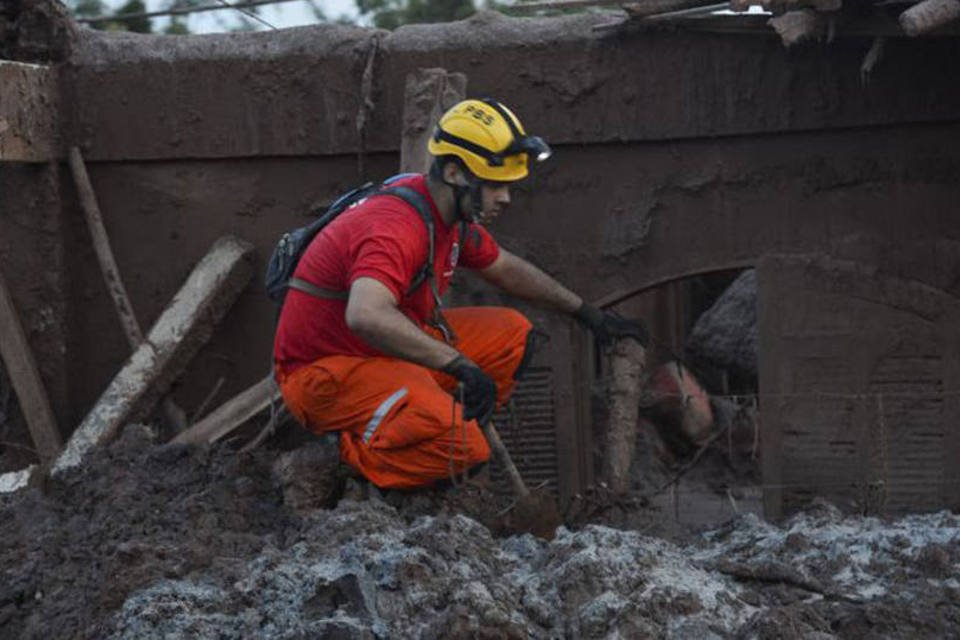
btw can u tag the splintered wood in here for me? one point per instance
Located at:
(185, 325)
(929, 15)
(627, 365)
(26, 380)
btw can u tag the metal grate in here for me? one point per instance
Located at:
(531, 439)
(913, 429)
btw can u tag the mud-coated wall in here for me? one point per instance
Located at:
(675, 153)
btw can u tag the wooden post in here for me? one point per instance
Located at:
(26, 380)
(429, 93)
(627, 363)
(929, 15)
(184, 326)
(232, 413)
(29, 112)
(172, 415)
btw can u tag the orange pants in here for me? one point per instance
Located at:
(398, 423)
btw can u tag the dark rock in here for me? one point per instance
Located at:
(309, 476)
(934, 561)
(725, 335)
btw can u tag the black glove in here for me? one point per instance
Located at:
(608, 326)
(479, 391)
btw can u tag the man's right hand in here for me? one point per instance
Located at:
(479, 391)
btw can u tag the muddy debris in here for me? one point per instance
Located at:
(179, 541)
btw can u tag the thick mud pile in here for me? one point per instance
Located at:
(182, 542)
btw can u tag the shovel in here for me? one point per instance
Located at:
(534, 512)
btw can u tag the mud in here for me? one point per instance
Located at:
(176, 541)
(38, 31)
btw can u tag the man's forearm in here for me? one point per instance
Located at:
(524, 280)
(396, 335)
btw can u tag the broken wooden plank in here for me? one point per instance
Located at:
(101, 245)
(172, 416)
(429, 93)
(795, 27)
(232, 413)
(23, 372)
(929, 15)
(29, 112)
(627, 363)
(184, 326)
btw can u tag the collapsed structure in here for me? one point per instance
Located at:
(678, 154)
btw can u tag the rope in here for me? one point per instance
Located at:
(366, 106)
(454, 481)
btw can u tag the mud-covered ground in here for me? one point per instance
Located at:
(182, 542)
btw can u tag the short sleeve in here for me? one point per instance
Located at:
(479, 249)
(391, 250)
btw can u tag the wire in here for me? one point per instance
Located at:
(247, 13)
(239, 6)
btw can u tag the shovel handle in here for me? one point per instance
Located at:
(499, 450)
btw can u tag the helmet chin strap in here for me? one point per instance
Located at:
(471, 189)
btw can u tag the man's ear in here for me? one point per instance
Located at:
(452, 173)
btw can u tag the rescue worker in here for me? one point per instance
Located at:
(372, 361)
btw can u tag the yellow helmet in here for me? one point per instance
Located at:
(489, 140)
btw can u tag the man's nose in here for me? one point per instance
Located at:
(504, 196)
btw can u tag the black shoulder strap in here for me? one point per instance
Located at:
(416, 200)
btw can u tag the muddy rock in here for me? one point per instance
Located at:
(135, 514)
(310, 476)
(725, 335)
(38, 31)
(158, 541)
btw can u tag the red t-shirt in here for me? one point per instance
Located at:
(383, 238)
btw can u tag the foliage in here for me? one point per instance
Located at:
(176, 25)
(390, 14)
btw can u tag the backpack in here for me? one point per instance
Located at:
(292, 244)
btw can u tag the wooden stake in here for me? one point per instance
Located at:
(429, 93)
(185, 325)
(929, 15)
(232, 413)
(173, 416)
(627, 363)
(101, 244)
(26, 380)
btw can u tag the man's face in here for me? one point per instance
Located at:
(496, 200)
(494, 196)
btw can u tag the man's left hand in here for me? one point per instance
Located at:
(608, 326)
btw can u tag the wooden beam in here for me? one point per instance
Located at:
(23, 372)
(627, 363)
(429, 93)
(29, 112)
(185, 325)
(232, 413)
(172, 416)
(929, 15)
(101, 244)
